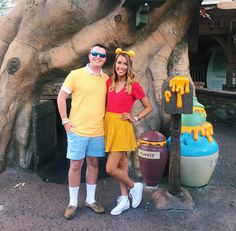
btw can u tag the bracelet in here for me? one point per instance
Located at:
(64, 121)
(136, 119)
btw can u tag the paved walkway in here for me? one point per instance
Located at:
(29, 203)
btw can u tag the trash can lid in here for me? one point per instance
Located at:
(152, 135)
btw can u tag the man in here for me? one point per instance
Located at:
(84, 127)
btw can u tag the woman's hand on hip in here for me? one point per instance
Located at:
(126, 116)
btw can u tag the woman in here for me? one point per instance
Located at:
(123, 90)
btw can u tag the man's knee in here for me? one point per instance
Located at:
(76, 165)
(92, 162)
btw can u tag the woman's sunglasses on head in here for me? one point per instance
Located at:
(95, 53)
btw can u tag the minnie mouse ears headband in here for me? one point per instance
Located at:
(130, 53)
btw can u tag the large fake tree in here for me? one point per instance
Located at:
(43, 39)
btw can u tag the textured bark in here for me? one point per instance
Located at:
(41, 37)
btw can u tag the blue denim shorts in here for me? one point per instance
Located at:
(80, 146)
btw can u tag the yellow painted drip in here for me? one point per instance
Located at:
(179, 85)
(200, 110)
(167, 95)
(179, 101)
(205, 130)
(160, 143)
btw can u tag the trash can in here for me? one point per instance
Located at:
(153, 155)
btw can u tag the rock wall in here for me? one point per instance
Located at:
(220, 105)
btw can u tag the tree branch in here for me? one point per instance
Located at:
(9, 25)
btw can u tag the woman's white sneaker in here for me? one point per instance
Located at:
(122, 205)
(136, 194)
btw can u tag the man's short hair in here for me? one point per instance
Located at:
(98, 45)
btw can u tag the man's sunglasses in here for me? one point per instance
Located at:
(95, 53)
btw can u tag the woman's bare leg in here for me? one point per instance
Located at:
(114, 161)
(123, 164)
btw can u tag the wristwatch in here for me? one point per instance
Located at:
(64, 121)
(136, 119)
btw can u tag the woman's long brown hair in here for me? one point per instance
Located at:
(130, 78)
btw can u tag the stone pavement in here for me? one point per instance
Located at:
(29, 203)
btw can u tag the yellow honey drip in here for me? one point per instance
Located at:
(167, 95)
(200, 110)
(179, 85)
(160, 143)
(205, 129)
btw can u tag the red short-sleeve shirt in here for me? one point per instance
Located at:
(119, 102)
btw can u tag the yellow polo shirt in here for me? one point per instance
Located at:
(88, 92)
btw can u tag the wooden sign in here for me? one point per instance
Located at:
(177, 95)
(50, 90)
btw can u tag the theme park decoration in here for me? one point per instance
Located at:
(199, 150)
(142, 9)
(153, 155)
(178, 99)
(41, 41)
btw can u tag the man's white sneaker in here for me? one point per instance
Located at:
(136, 194)
(122, 204)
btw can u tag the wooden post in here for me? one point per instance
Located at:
(174, 158)
(177, 100)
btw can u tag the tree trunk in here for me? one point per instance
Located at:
(40, 36)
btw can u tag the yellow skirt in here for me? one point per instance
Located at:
(119, 134)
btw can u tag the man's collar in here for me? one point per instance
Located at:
(90, 71)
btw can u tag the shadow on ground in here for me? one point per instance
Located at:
(57, 171)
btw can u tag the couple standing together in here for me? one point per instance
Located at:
(95, 95)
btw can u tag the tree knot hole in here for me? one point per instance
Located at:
(13, 65)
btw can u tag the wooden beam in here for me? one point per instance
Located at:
(136, 3)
